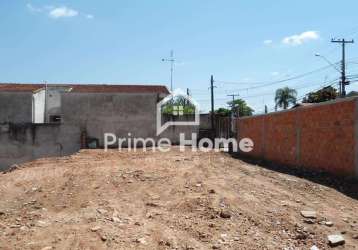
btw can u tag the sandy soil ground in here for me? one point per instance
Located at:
(153, 200)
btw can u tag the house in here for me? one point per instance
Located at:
(45, 101)
(38, 120)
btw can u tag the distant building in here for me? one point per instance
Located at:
(38, 120)
(94, 109)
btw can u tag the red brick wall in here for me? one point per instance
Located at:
(322, 136)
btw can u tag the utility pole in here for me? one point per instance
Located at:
(172, 61)
(212, 104)
(188, 94)
(232, 117)
(233, 100)
(344, 81)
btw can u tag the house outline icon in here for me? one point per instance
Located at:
(176, 93)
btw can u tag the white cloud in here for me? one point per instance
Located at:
(63, 12)
(31, 8)
(57, 12)
(268, 42)
(302, 38)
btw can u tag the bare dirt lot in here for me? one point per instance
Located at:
(153, 200)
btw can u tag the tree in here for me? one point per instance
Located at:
(181, 103)
(241, 107)
(322, 95)
(285, 96)
(223, 112)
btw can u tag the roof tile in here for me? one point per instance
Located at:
(87, 88)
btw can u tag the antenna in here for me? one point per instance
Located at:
(172, 61)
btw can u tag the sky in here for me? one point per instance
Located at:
(243, 44)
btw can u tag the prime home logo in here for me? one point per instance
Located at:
(178, 100)
(177, 109)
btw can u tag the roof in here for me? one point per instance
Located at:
(20, 87)
(87, 88)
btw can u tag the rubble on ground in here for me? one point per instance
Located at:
(149, 200)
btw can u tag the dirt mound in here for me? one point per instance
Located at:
(153, 200)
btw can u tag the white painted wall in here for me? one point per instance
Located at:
(51, 102)
(38, 107)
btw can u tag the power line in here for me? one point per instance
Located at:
(269, 83)
(300, 98)
(233, 97)
(283, 80)
(351, 31)
(292, 78)
(263, 84)
(306, 85)
(303, 96)
(296, 88)
(233, 101)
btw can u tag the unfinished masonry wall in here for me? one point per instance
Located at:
(25, 142)
(319, 137)
(117, 113)
(93, 113)
(15, 107)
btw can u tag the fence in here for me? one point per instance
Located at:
(223, 127)
(321, 137)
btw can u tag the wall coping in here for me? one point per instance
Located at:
(314, 105)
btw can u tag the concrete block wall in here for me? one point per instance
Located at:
(320, 137)
(25, 142)
(118, 113)
(96, 114)
(15, 107)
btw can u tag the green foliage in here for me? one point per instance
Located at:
(239, 106)
(171, 106)
(285, 96)
(322, 95)
(223, 112)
